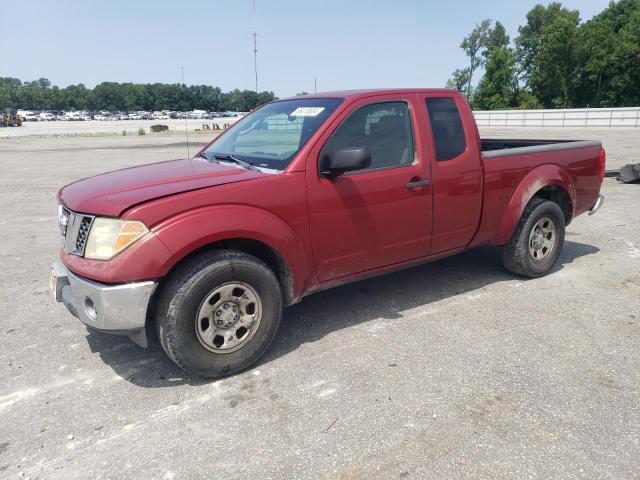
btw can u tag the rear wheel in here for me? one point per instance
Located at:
(218, 313)
(537, 242)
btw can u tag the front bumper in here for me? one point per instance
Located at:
(119, 309)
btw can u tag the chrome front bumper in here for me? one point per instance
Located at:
(119, 309)
(597, 205)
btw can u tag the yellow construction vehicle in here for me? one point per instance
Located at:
(10, 118)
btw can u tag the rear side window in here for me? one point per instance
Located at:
(446, 126)
(383, 127)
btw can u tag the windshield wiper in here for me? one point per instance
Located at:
(202, 155)
(228, 157)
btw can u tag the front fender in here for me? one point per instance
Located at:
(222, 222)
(535, 180)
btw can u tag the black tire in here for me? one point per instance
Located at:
(515, 254)
(184, 292)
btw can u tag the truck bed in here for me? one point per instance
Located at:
(500, 147)
(509, 161)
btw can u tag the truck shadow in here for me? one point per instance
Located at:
(318, 315)
(387, 297)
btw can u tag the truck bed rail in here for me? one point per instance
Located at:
(492, 148)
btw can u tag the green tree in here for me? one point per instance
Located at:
(530, 37)
(109, 96)
(499, 85)
(609, 47)
(460, 81)
(9, 89)
(496, 38)
(56, 98)
(33, 94)
(79, 97)
(625, 88)
(555, 69)
(478, 46)
(40, 94)
(561, 62)
(473, 45)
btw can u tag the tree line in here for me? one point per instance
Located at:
(112, 96)
(556, 61)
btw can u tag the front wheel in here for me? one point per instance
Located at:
(537, 242)
(218, 313)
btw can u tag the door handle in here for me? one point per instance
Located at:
(417, 184)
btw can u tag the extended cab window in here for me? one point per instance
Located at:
(446, 126)
(270, 136)
(383, 127)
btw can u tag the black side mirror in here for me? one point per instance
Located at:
(344, 160)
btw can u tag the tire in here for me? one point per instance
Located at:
(519, 254)
(197, 291)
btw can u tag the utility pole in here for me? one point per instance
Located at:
(255, 45)
(315, 85)
(186, 123)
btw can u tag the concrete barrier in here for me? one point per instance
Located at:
(574, 117)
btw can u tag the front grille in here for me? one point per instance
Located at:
(83, 233)
(74, 228)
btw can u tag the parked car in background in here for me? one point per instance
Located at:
(197, 114)
(27, 115)
(33, 116)
(72, 116)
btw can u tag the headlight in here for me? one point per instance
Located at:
(108, 236)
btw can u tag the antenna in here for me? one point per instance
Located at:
(186, 124)
(255, 45)
(315, 85)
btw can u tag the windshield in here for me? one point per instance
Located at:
(272, 135)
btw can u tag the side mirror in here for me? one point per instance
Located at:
(344, 160)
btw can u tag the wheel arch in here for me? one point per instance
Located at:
(258, 233)
(560, 196)
(548, 181)
(256, 248)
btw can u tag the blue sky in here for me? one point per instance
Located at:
(345, 44)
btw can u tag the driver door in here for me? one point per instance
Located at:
(378, 216)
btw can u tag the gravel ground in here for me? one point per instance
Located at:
(96, 127)
(455, 369)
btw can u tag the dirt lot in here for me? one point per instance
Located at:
(455, 369)
(93, 127)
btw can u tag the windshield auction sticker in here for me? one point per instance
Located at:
(306, 111)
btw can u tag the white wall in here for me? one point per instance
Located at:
(574, 117)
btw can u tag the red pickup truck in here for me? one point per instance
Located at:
(301, 195)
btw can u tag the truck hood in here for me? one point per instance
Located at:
(112, 193)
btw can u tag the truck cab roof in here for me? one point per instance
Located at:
(363, 93)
